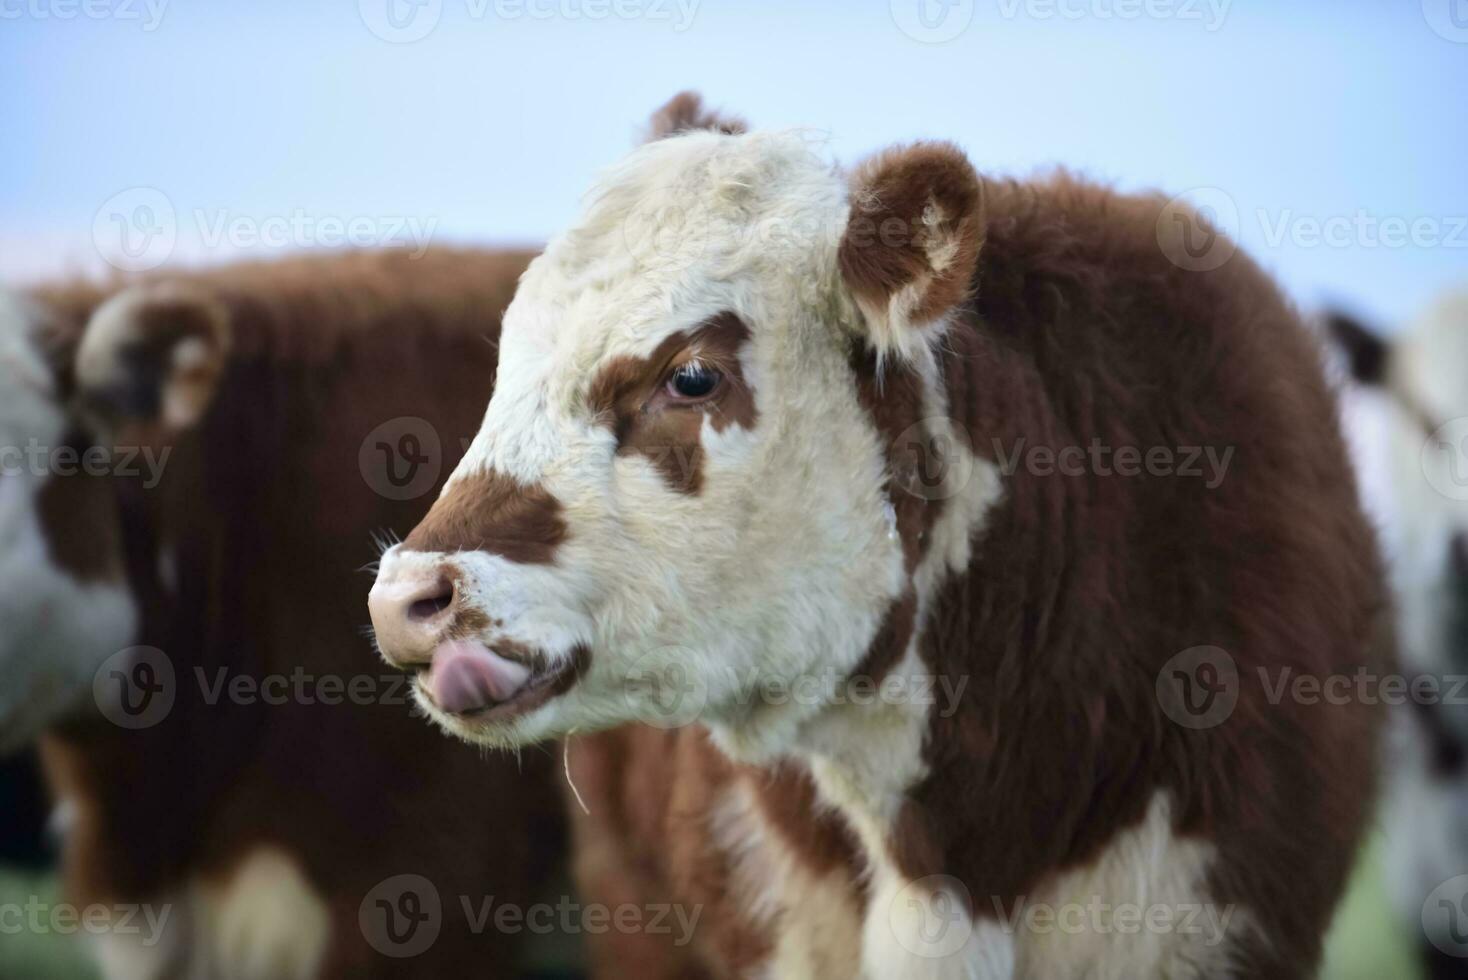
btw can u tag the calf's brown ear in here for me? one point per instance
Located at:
(685, 113)
(152, 357)
(912, 241)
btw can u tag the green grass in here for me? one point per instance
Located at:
(1366, 943)
(31, 956)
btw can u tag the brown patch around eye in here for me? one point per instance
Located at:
(491, 512)
(628, 396)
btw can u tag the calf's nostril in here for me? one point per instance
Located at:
(429, 606)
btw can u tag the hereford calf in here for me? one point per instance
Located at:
(705, 478)
(235, 410)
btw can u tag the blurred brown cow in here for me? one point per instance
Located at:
(186, 621)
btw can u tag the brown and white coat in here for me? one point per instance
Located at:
(704, 474)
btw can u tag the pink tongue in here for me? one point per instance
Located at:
(468, 676)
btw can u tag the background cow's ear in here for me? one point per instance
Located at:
(912, 240)
(1367, 352)
(152, 356)
(685, 113)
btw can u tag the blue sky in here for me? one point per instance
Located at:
(1337, 130)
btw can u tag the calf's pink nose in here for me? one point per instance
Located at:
(410, 616)
(468, 676)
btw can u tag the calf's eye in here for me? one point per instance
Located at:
(693, 381)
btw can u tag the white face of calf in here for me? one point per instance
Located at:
(678, 482)
(63, 605)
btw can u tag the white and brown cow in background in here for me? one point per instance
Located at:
(263, 827)
(1413, 416)
(696, 474)
(63, 610)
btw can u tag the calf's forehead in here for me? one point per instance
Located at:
(682, 230)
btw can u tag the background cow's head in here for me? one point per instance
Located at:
(78, 406)
(1422, 376)
(683, 479)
